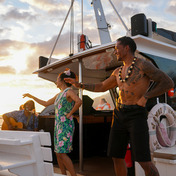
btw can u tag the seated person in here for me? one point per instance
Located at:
(21, 107)
(103, 105)
(26, 117)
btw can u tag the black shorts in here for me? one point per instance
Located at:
(130, 126)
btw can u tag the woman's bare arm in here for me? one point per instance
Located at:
(72, 95)
(41, 102)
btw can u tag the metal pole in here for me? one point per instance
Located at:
(82, 15)
(49, 60)
(80, 109)
(80, 121)
(119, 16)
(165, 94)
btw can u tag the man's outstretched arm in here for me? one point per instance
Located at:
(98, 87)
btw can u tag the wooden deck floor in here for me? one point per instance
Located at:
(93, 166)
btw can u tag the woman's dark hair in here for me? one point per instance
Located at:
(67, 74)
(128, 41)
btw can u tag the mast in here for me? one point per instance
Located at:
(101, 22)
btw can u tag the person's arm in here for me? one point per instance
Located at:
(109, 83)
(42, 102)
(7, 121)
(163, 82)
(71, 95)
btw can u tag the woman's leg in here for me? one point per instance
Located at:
(61, 164)
(67, 163)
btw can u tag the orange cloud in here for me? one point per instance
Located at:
(7, 70)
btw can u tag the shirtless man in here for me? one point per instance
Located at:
(130, 115)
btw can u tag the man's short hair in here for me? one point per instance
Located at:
(128, 41)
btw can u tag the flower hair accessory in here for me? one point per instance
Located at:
(67, 72)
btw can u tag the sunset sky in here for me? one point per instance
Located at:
(28, 29)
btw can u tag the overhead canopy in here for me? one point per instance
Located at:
(99, 62)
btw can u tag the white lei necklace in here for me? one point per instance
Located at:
(58, 99)
(129, 71)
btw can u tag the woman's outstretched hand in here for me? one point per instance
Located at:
(27, 95)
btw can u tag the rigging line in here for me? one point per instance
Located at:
(49, 60)
(119, 16)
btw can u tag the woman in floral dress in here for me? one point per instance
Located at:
(66, 103)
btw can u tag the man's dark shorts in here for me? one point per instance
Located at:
(130, 126)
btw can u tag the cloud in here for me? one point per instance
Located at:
(17, 15)
(16, 51)
(172, 7)
(17, 22)
(138, 1)
(46, 38)
(38, 49)
(13, 55)
(7, 70)
(4, 30)
(44, 49)
(48, 5)
(11, 44)
(4, 45)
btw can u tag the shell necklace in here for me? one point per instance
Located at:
(129, 71)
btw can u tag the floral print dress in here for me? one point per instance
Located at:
(64, 127)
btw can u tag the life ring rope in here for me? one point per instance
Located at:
(157, 122)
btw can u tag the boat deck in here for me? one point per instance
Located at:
(93, 166)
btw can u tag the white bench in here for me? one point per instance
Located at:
(165, 160)
(26, 153)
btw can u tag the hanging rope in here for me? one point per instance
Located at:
(49, 60)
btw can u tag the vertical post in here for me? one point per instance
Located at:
(82, 15)
(80, 121)
(165, 97)
(150, 32)
(72, 31)
(80, 109)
